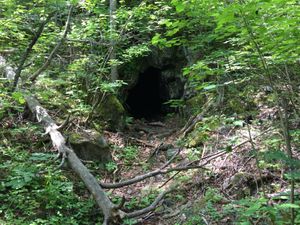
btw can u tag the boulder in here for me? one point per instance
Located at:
(111, 112)
(90, 145)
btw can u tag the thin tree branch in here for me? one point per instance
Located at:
(112, 25)
(189, 165)
(150, 207)
(140, 177)
(28, 51)
(59, 43)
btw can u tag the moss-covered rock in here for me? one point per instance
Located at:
(90, 145)
(240, 184)
(110, 113)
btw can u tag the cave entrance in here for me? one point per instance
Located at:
(144, 99)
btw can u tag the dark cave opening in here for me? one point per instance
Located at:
(144, 99)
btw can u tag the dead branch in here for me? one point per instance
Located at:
(139, 141)
(188, 166)
(65, 123)
(150, 207)
(166, 134)
(217, 154)
(59, 143)
(7, 51)
(197, 119)
(28, 51)
(161, 171)
(191, 124)
(112, 213)
(178, 211)
(140, 177)
(96, 104)
(157, 124)
(193, 120)
(161, 147)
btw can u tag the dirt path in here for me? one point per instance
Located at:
(230, 174)
(143, 139)
(146, 135)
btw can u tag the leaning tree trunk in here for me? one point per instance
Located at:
(110, 211)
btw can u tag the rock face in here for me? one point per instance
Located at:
(172, 84)
(90, 145)
(169, 62)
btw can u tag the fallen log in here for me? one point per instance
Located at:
(112, 213)
(109, 210)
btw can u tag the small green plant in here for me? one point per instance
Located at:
(175, 103)
(194, 154)
(147, 200)
(212, 195)
(129, 153)
(130, 221)
(28, 197)
(128, 120)
(132, 203)
(254, 210)
(111, 87)
(203, 130)
(194, 220)
(111, 166)
(179, 197)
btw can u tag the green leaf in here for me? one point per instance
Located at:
(238, 123)
(179, 5)
(18, 97)
(228, 148)
(210, 87)
(253, 209)
(172, 32)
(111, 87)
(41, 157)
(288, 206)
(156, 39)
(15, 183)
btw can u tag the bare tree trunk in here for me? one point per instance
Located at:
(109, 210)
(112, 213)
(28, 50)
(112, 21)
(59, 43)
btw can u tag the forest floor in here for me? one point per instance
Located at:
(230, 172)
(147, 138)
(226, 184)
